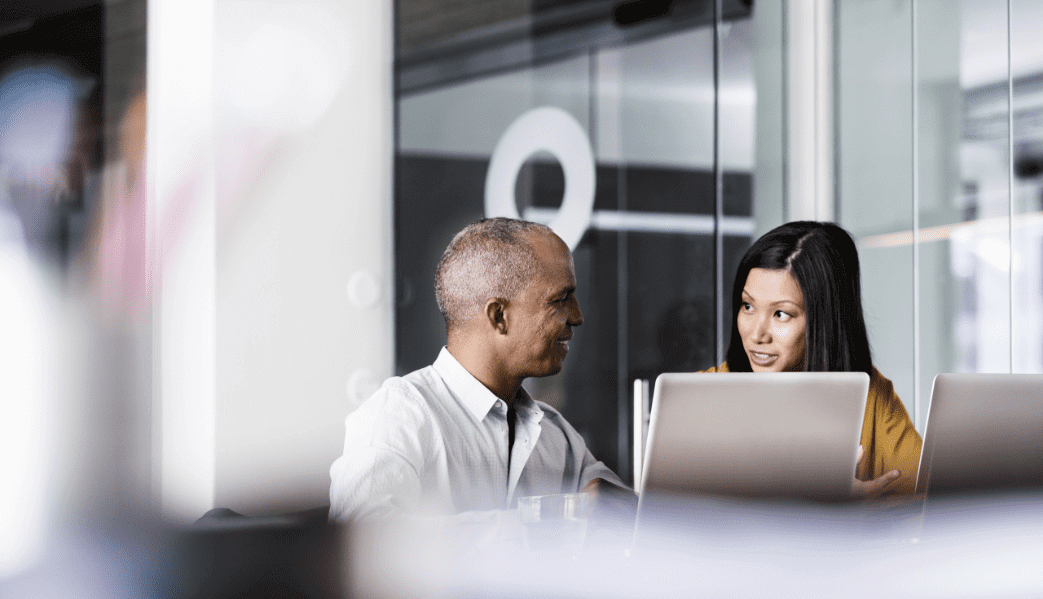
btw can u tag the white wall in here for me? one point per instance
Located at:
(297, 327)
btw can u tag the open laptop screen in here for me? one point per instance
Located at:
(777, 435)
(984, 431)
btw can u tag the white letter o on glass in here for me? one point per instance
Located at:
(555, 131)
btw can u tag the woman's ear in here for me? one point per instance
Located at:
(496, 314)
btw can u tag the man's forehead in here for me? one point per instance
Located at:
(556, 272)
(548, 246)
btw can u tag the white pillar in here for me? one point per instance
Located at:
(180, 225)
(303, 101)
(269, 148)
(809, 104)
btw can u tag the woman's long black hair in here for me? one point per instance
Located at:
(824, 260)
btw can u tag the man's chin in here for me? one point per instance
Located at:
(550, 370)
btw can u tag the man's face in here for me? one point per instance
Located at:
(541, 317)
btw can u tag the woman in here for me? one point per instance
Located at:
(798, 305)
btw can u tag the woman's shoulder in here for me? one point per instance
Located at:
(882, 397)
(880, 385)
(722, 368)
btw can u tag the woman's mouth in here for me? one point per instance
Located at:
(761, 359)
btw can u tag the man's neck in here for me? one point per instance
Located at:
(484, 368)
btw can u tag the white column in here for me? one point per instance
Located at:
(270, 143)
(303, 126)
(180, 224)
(809, 102)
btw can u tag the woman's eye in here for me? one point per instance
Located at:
(746, 306)
(781, 315)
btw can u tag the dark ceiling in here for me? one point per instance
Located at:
(438, 42)
(12, 11)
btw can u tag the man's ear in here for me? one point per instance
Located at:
(496, 314)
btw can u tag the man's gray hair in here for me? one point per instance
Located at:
(488, 258)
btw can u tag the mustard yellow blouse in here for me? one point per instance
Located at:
(888, 435)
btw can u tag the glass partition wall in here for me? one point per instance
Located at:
(629, 128)
(939, 144)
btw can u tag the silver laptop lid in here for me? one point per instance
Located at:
(755, 434)
(984, 431)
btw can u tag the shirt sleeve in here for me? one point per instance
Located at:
(595, 469)
(902, 445)
(591, 467)
(379, 473)
(892, 442)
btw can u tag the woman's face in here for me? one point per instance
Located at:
(772, 321)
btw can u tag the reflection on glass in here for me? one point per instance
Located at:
(1026, 57)
(977, 134)
(874, 170)
(645, 95)
(979, 265)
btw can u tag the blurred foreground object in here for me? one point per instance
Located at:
(716, 547)
(226, 555)
(27, 428)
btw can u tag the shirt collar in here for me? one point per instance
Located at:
(473, 394)
(527, 407)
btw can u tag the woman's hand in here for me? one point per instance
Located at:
(872, 488)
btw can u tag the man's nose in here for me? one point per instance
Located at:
(575, 314)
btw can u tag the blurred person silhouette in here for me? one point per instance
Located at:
(38, 111)
(462, 435)
(27, 410)
(119, 266)
(50, 154)
(797, 302)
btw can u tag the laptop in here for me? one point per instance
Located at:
(984, 432)
(754, 435)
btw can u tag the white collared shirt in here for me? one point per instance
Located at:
(436, 442)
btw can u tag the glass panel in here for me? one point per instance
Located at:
(738, 156)
(969, 262)
(769, 73)
(874, 168)
(643, 91)
(661, 143)
(945, 309)
(1026, 55)
(445, 139)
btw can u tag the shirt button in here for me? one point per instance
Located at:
(499, 404)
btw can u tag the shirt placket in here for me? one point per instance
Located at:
(499, 410)
(526, 433)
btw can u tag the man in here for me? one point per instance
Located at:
(462, 435)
